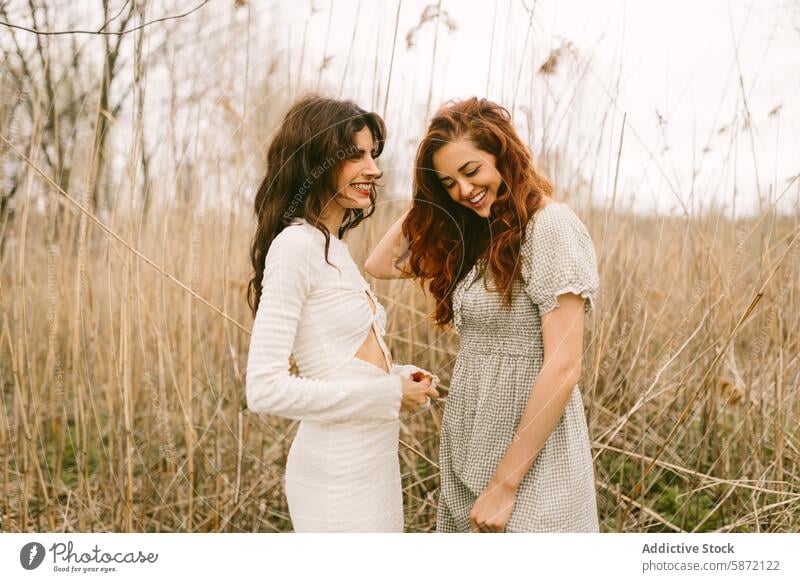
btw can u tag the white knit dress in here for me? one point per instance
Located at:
(343, 471)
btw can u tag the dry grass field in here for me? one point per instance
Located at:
(124, 333)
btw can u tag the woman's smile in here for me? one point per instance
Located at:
(477, 200)
(362, 188)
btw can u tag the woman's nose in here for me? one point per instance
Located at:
(465, 187)
(372, 168)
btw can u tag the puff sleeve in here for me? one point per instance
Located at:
(558, 257)
(290, 268)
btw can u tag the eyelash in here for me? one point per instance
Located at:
(357, 156)
(470, 174)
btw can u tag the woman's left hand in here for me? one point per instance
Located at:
(492, 510)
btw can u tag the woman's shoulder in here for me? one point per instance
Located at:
(301, 232)
(553, 219)
(299, 240)
(302, 245)
(555, 235)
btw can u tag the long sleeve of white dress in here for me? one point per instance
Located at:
(292, 266)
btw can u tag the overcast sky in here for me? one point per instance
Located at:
(670, 66)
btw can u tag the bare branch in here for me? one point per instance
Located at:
(100, 31)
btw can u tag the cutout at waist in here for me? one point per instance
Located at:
(373, 349)
(372, 353)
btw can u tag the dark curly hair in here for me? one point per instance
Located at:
(303, 161)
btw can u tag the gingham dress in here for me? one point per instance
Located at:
(500, 355)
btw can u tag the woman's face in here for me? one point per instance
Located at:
(357, 173)
(468, 174)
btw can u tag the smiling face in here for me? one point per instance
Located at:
(357, 174)
(469, 175)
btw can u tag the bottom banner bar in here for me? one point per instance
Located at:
(588, 557)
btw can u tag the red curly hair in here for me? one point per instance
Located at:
(447, 239)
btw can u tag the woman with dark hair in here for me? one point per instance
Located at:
(309, 299)
(515, 272)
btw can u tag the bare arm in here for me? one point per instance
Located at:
(562, 333)
(389, 259)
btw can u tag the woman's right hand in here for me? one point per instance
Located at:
(416, 394)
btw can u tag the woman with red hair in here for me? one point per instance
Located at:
(515, 273)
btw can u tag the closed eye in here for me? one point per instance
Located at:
(449, 184)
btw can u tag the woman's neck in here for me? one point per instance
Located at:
(332, 218)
